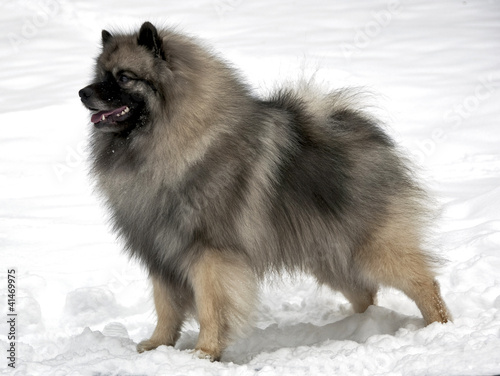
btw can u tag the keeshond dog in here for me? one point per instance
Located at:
(211, 188)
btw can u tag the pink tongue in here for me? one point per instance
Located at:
(96, 118)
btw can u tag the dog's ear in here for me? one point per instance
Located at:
(106, 37)
(149, 38)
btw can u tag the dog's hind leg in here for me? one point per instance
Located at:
(170, 312)
(394, 257)
(360, 299)
(225, 294)
(426, 294)
(360, 294)
(417, 281)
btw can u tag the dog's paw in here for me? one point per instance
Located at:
(147, 345)
(200, 354)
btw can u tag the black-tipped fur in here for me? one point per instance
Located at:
(149, 38)
(105, 36)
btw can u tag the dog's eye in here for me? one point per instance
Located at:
(123, 78)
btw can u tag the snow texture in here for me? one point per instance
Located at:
(434, 70)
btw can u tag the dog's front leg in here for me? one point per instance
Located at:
(170, 311)
(224, 294)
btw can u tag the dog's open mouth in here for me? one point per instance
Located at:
(112, 116)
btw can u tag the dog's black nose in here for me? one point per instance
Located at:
(85, 93)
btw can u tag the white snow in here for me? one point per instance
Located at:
(434, 67)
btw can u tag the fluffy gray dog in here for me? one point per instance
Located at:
(212, 188)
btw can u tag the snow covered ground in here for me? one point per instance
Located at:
(434, 67)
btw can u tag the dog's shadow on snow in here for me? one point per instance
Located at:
(357, 327)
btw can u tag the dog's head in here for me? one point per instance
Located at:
(127, 86)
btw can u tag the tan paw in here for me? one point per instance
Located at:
(200, 354)
(147, 345)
